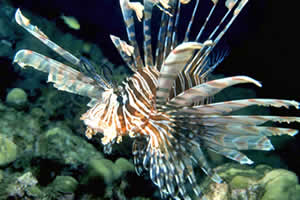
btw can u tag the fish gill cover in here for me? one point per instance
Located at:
(166, 105)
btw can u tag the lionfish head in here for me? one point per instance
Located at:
(97, 120)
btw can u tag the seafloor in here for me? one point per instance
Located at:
(44, 154)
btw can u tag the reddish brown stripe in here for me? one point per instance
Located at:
(129, 123)
(137, 95)
(149, 81)
(159, 117)
(105, 111)
(140, 97)
(154, 72)
(116, 118)
(121, 120)
(133, 111)
(156, 133)
(111, 117)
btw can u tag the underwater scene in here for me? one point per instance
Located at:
(148, 99)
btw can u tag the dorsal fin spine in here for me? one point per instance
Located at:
(126, 58)
(148, 6)
(230, 4)
(206, 20)
(160, 41)
(186, 38)
(236, 12)
(129, 22)
(174, 36)
(170, 29)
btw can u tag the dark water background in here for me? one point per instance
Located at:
(259, 41)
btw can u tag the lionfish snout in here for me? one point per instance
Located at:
(99, 119)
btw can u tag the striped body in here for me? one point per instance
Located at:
(134, 113)
(165, 106)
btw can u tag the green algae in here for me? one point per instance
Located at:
(247, 183)
(8, 151)
(17, 98)
(64, 184)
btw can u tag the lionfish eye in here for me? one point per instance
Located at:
(107, 72)
(108, 76)
(90, 70)
(120, 99)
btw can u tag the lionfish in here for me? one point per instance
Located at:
(165, 106)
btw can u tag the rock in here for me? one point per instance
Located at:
(280, 184)
(104, 169)
(20, 188)
(38, 113)
(2, 107)
(107, 170)
(34, 191)
(106, 178)
(22, 127)
(64, 184)
(1, 176)
(17, 98)
(61, 143)
(27, 180)
(124, 166)
(294, 193)
(240, 182)
(218, 192)
(246, 183)
(8, 151)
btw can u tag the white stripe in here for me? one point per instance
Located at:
(144, 84)
(116, 116)
(152, 137)
(139, 89)
(133, 104)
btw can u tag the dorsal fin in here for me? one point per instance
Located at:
(173, 64)
(207, 19)
(129, 22)
(169, 63)
(125, 50)
(147, 33)
(230, 4)
(160, 41)
(186, 37)
(170, 30)
(197, 66)
(175, 29)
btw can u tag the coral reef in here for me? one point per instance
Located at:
(107, 170)
(246, 183)
(43, 152)
(58, 160)
(8, 151)
(17, 98)
(21, 188)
